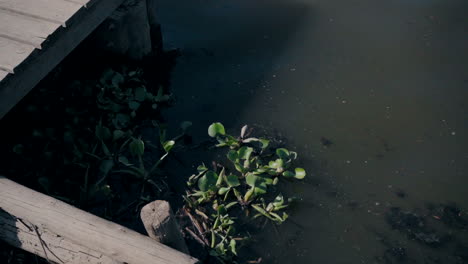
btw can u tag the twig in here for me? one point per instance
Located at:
(199, 240)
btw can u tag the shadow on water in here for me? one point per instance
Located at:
(372, 94)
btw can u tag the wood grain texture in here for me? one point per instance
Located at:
(12, 53)
(25, 29)
(39, 212)
(20, 233)
(57, 11)
(59, 45)
(3, 74)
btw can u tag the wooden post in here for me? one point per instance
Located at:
(64, 234)
(161, 225)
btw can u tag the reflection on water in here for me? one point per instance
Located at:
(373, 94)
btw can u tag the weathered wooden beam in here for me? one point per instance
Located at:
(40, 63)
(64, 234)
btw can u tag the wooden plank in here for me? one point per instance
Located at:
(40, 213)
(81, 2)
(57, 11)
(60, 250)
(25, 29)
(58, 46)
(12, 53)
(3, 74)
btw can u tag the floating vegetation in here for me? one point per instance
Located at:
(240, 189)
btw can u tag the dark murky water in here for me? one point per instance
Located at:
(372, 94)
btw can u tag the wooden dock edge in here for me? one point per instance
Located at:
(62, 233)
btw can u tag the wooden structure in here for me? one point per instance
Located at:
(64, 234)
(35, 35)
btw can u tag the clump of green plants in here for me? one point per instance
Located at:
(238, 190)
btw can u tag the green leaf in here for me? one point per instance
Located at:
(275, 180)
(232, 180)
(202, 168)
(168, 145)
(216, 129)
(102, 132)
(117, 79)
(140, 94)
(276, 164)
(133, 105)
(220, 178)
(232, 155)
(265, 143)
(260, 188)
(118, 134)
(121, 120)
(208, 181)
(251, 179)
(137, 147)
(223, 190)
(282, 153)
(279, 200)
(105, 167)
(300, 173)
(248, 194)
(232, 246)
(289, 174)
(124, 160)
(244, 152)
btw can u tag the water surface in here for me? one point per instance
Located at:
(371, 93)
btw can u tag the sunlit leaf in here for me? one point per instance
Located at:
(300, 173)
(208, 181)
(168, 145)
(216, 129)
(282, 153)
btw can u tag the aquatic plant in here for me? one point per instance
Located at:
(221, 199)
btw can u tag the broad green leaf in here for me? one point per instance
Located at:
(133, 105)
(216, 129)
(223, 190)
(208, 181)
(140, 94)
(124, 160)
(202, 168)
(232, 180)
(232, 155)
(117, 79)
(276, 164)
(168, 145)
(102, 132)
(117, 134)
(121, 120)
(260, 188)
(244, 152)
(300, 173)
(106, 166)
(282, 153)
(251, 179)
(289, 174)
(265, 143)
(279, 200)
(137, 147)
